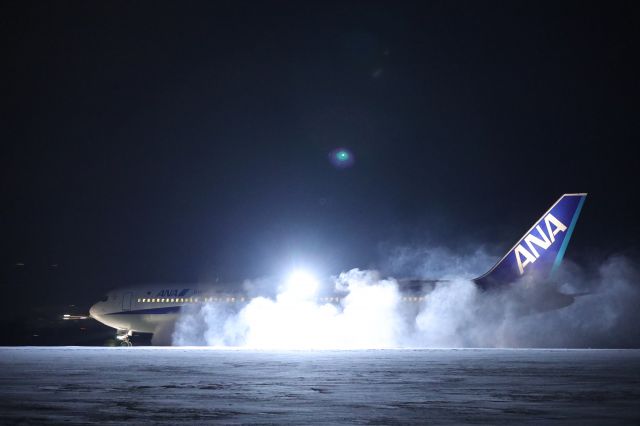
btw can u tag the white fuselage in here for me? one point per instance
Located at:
(144, 309)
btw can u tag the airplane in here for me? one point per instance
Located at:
(537, 254)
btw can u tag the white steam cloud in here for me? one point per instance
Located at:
(373, 314)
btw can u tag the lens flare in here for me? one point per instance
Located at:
(341, 158)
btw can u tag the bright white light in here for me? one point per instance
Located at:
(365, 318)
(73, 317)
(300, 285)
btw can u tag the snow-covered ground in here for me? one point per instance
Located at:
(199, 385)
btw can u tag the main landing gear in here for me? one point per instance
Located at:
(124, 337)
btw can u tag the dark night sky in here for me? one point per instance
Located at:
(178, 142)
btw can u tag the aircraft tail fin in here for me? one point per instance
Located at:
(541, 249)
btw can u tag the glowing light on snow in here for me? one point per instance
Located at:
(371, 312)
(365, 317)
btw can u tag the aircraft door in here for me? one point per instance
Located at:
(126, 301)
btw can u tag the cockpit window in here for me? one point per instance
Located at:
(104, 298)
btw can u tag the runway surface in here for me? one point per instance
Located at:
(200, 386)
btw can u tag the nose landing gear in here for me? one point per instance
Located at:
(124, 336)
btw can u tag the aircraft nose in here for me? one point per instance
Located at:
(94, 311)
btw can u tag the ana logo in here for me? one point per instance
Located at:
(524, 256)
(172, 293)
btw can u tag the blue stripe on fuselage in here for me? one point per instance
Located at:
(152, 311)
